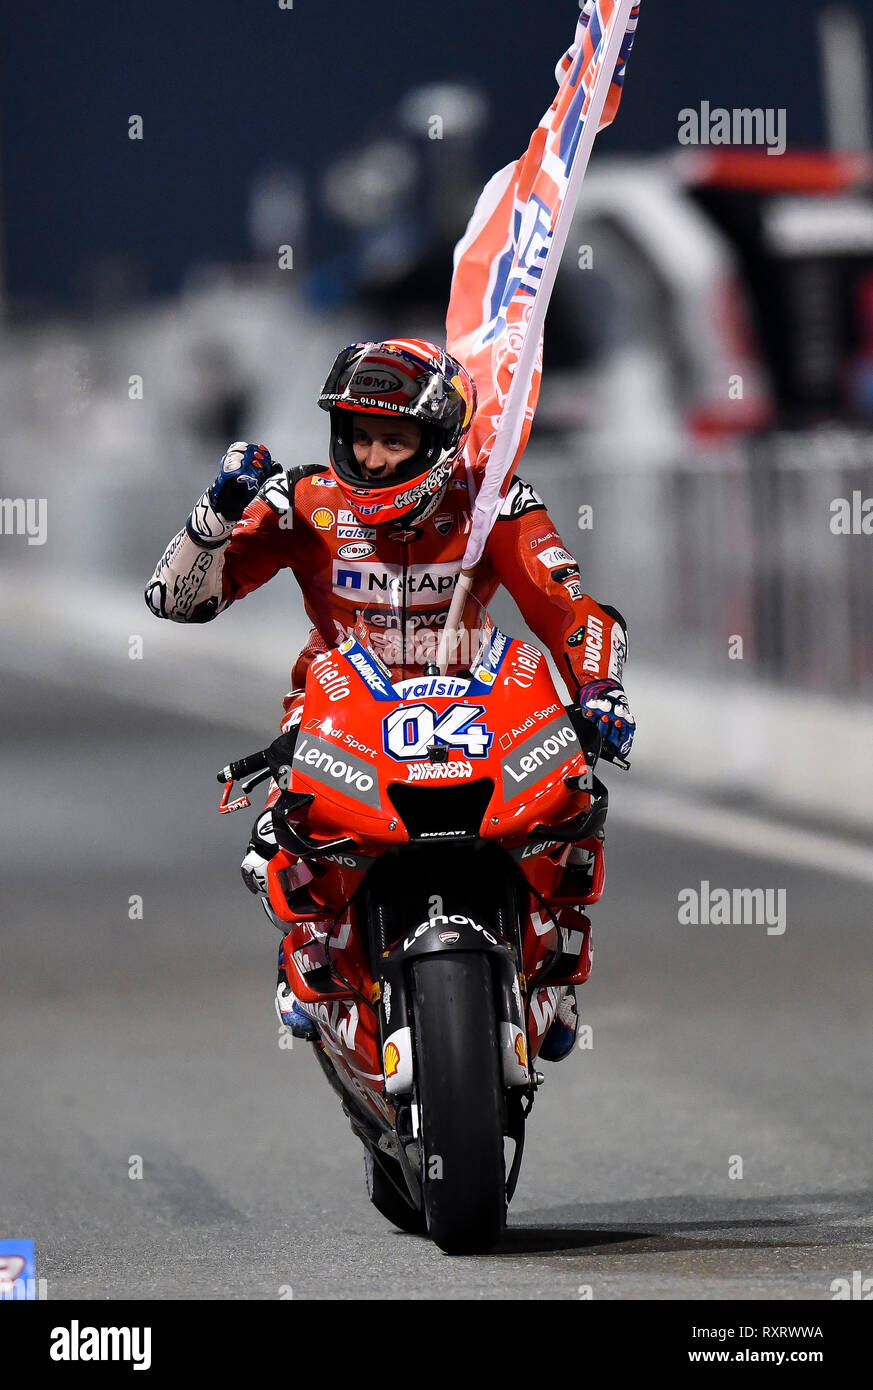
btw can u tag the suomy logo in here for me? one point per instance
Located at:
(370, 383)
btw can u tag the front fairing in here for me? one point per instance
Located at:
(492, 729)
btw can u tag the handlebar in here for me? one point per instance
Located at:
(244, 767)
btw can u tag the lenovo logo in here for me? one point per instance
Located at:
(545, 752)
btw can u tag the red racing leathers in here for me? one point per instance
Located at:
(344, 567)
(300, 521)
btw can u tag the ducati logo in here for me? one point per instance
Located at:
(443, 522)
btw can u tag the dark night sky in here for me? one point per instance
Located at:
(227, 87)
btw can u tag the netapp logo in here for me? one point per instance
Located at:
(422, 585)
(551, 746)
(75, 1343)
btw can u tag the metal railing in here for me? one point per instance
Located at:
(736, 542)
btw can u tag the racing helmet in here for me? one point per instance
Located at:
(408, 377)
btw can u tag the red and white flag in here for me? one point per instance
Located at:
(506, 262)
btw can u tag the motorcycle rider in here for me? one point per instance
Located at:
(391, 512)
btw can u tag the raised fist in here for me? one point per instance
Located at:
(244, 469)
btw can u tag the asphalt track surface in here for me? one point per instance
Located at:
(157, 1038)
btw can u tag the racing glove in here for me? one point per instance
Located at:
(244, 470)
(605, 704)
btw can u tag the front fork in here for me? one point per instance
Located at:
(453, 933)
(447, 933)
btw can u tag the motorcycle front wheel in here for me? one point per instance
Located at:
(460, 1095)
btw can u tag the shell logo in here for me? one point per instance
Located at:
(323, 518)
(520, 1049)
(485, 677)
(346, 646)
(392, 1059)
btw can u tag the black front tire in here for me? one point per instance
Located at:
(460, 1094)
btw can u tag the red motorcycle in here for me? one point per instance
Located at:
(432, 924)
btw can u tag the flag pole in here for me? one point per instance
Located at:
(512, 418)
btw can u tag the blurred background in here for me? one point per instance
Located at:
(297, 178)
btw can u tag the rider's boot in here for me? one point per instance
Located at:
(289, 1010)
(579, 947)
(260, 850)
(561, 1037)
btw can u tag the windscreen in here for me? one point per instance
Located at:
(405, 641)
